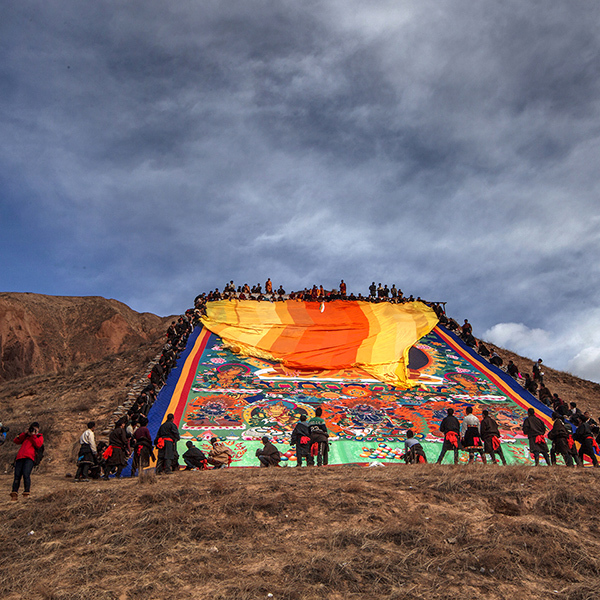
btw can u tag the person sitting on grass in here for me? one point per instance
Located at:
(268, 455)
(193, 457)
(219, 455)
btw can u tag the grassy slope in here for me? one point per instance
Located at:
(338, 532)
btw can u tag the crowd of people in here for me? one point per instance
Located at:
(483, 437)
(377, 293)
(131, 438)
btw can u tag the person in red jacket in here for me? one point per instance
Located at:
(30, 441)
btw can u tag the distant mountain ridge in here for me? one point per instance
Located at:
(45, 334)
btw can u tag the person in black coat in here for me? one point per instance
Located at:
(560, 441)
(490, 434)
(301, 439)
(166, 443)
(193, 457)
(450, 427)
(585, 437)
(535, 429)
(268, 456)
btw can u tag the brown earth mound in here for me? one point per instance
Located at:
(343, 533)
(45, 334)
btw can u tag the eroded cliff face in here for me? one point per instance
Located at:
(44, 334)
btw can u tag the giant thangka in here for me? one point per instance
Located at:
(253, 368)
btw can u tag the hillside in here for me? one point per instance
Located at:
(394, 532)
(340, 533)
(45, 334)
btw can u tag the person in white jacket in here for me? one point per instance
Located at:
(87, 452)
(471, 438)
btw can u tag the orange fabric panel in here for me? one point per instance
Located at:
(333, 335)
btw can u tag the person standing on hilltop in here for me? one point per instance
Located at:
(319, 440)
(535, 429)
(268, 286)
(450, 427)
(30, 441)
(538, 374)
(342, 289)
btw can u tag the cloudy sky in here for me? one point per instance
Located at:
(153, 150)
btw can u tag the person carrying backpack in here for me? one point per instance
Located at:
(31, 442)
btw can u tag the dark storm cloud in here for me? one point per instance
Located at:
(151, 151)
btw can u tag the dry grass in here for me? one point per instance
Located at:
(395, 533)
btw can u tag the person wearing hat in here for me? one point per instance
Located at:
(268, 455)
(219, 455)
(193, 457)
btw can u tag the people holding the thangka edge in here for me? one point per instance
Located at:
(583, 434)
(562, 441)
(142, 446)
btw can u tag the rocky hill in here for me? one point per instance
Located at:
(46, 334)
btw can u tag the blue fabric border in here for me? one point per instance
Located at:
(160, 406)
(519, 390)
